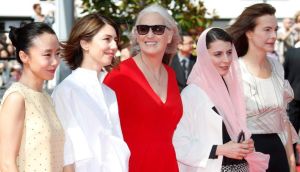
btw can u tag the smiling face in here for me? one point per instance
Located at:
(263, 36)
(101, 49)
(152, 44)
(220, 53)
(42, 58)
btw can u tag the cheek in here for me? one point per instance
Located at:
(215, 61)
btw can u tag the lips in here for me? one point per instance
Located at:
(51, 71)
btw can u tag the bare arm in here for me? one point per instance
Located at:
(69, 168)
(12, 115)
(289, 149)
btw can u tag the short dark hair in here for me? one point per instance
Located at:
(84, 29)
(215, 34)
(247, 22)
(22, 37)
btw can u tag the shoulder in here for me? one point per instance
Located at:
(119, 72)
(13, 102)
(14, 89)
(276, 65)
(174, 60)
(194, 93)
(192, 59)
(65, 87)
(108, 91)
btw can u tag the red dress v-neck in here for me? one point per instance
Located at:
(147, 123)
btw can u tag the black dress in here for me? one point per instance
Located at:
(228, 164)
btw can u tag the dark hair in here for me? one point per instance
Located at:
(215, 34)
(35, 5)
(85, 29)
(247, 22)
(22, 37)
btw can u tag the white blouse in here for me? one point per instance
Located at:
(266, 99)
(88, 111)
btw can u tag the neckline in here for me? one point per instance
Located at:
(156, 96)
(254, 76)
(30, 89)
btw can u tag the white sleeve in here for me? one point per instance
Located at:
(76, 147)
(190, 140)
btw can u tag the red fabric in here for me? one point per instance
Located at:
(147, 123)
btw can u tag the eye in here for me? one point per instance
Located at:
(217, 54)
(229, 52)
(47, 54)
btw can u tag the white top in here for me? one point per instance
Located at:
(88, 111)
(266, 99)
(198, 130)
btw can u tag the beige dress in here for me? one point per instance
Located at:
(43, 138)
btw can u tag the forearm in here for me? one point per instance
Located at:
(289, 149)
(8, 166)
(69, 168)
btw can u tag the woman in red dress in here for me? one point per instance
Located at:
(148, 97)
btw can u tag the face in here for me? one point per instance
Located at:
(151, 43)
(263, 36)
(43, 56)
(3, 54)
(102, 48)
(298, 19)
(220, 53)
(287, 23)
(187, 45)
(38, 9)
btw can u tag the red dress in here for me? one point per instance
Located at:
(147, 123)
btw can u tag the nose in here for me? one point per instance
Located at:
(274, 34)
(114, 45)
(150, 34)
(226, 58)
(55, 60)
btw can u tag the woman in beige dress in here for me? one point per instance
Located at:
(31, 136)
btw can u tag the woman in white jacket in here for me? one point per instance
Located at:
(88, 109)
(212, 135)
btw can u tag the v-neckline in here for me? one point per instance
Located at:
(156, 96)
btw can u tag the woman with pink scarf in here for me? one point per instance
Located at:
(212, 135)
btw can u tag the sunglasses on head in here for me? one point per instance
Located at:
(156, 29)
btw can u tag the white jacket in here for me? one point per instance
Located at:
(198, 130)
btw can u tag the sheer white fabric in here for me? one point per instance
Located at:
(266, 100)
(88, 111)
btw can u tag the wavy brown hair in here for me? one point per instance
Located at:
(247, 22)
(85, 29)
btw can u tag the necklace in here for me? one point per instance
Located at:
(256, 90)
(157, 79)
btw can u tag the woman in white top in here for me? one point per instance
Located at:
(87, 108)
(266, 92)
(212, 135)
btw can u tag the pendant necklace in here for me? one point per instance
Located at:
(157, 79)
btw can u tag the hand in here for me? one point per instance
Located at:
(236, 150)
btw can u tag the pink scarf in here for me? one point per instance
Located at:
(230, 103)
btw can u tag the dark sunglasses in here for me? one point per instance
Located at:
(156, 29)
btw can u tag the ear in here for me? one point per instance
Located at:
(24, 57)
(249, 34)
(170, 36)
(84, 45)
